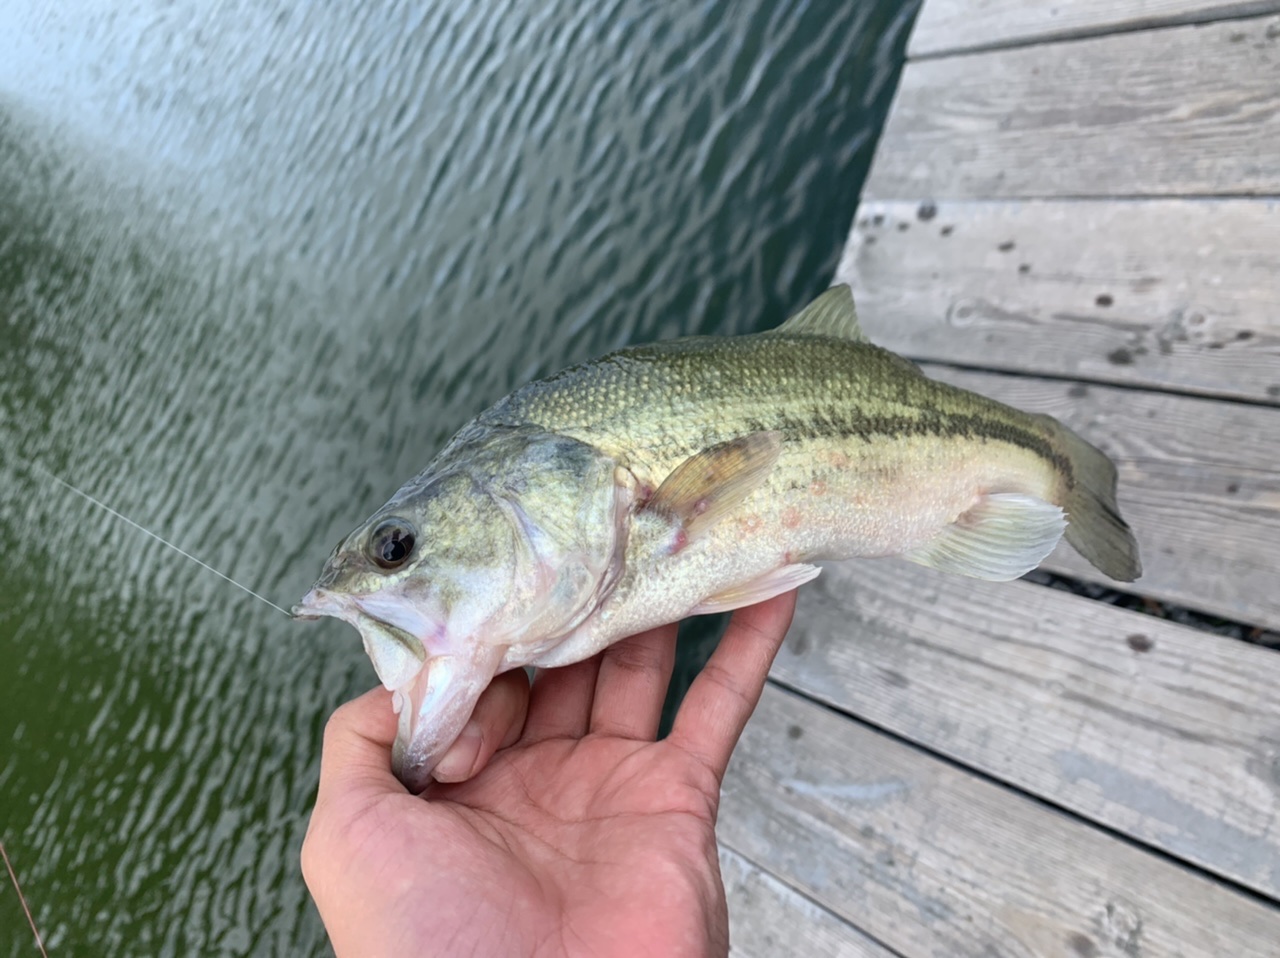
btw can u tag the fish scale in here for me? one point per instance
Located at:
(690, 476)
(810, 387)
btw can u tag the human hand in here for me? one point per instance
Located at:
(567, 829)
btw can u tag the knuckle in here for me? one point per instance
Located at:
(337, 724)
(332, 732)
(313, 856)
(633, 658)
(308, 859)
(726, 681)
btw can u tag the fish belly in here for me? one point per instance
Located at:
(826, 500)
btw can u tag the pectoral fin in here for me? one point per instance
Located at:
(704, 488)
(1002, 537)
(766, 587)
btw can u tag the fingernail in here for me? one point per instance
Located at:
(461, 757)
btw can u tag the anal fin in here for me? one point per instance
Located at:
(780, 580)
(1004, 536)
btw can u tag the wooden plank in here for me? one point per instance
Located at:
(1164, 293)
(1164, 733)
(767, 918)
(1188, 110)
(1199, 483)
(931, 860)
(950, 26)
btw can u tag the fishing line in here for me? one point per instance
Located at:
(160, 539)
(22, 898)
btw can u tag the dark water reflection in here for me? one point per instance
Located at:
(257, 262)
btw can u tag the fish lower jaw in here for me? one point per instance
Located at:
(433, 707)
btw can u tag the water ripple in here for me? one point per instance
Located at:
(257, 262)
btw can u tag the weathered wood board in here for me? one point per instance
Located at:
(1199, 483)
(930, 860)
(768, 919)
(1163, 733)
(1168, 294)
(948, 26)
(1187, 110)
(1100, 216)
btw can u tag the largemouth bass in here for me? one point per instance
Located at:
(692, 476)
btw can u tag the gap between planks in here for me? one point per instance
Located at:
(1199, 484)
(1183, 110)
(768, 917)
(1164, 734)
(963, 27)
(931, 860)
(1174, 295)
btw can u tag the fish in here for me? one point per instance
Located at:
(686, 477)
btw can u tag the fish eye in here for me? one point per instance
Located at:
(391, 543)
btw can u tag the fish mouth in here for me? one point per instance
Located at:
(434, 682)
(432, 710)
(318, 603)
(397, 654)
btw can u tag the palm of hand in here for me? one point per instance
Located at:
(613, 838)
(585, 836)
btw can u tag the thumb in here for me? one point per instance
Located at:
(355, 773)
(355, 776)
(355, 764)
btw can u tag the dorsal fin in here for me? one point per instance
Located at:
(831, 314)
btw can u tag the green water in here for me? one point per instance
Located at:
(257, 262)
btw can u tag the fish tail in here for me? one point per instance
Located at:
(1095, 527)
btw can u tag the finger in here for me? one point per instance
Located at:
(355, 775)
(560, 701)
(632, 684)
(355, 763)
(724, 694)
(496, 722)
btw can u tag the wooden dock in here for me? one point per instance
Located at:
(1075, 208)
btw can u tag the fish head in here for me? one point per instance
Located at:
(478, 565)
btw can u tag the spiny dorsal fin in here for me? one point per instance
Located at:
(831, 314)
(706, 487)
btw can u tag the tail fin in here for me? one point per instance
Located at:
(1095, 527)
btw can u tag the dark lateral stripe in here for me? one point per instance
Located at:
(833, 423)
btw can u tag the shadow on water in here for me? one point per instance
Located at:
(257, 262)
